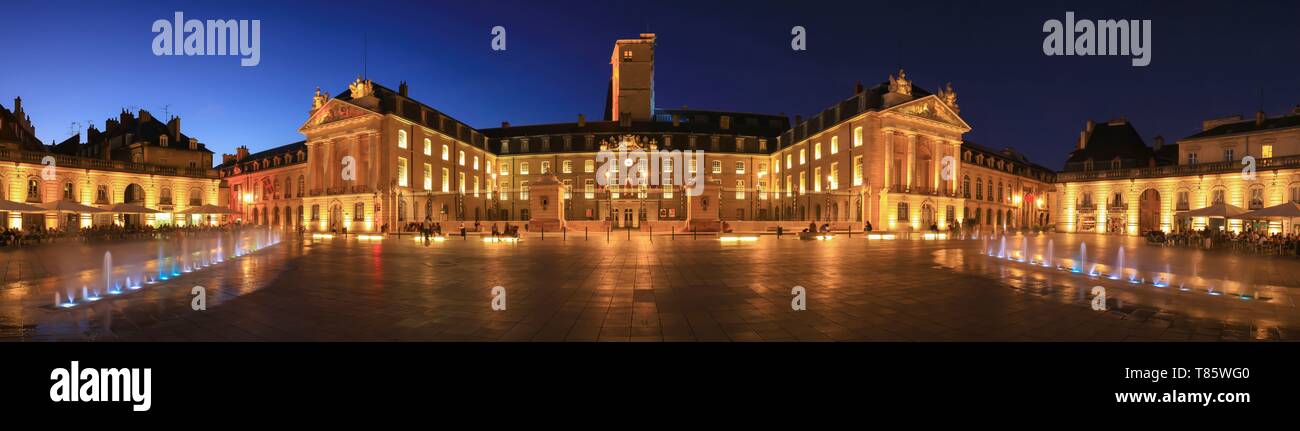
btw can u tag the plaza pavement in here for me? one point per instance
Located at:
(664, 289)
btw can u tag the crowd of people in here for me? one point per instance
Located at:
(1248, 241)
(42, 235)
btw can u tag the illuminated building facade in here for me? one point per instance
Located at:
(137, 159)
(891, 155)
(1114, 183)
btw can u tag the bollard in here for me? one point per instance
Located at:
(543, 228)
(564, 234)
(584, 233)
(652, 233)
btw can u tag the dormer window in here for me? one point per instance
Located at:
(162, 141)
(194, 144)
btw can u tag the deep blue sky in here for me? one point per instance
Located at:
(78, 61)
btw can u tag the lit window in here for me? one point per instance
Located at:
(740, 190)
(460, 158)
(428, 147)
(505, 190)
(835, 144)
(428, 176)
(789, 161)
(476, 163)
(523, 190)
(505, 169)
(817, 179)
(589, 166)
(523, 169)
(476, 186)
(446, 180)
(717, 166)
(568, 189)
(401, 139)
(817, 151)
(803, 156)
(460, 182)
(834, 180)
(857, 171)
(740, 167)
(857, 136)
(1191, 158)
(589, 189)
(402, 181)
(1268, 152)
(567, 167)
(446, 152)
(803, 182)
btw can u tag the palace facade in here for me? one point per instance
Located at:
(137, 159)
(1114, 183)
(892, 155)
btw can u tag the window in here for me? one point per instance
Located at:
(740, 167)
(359, 212)
(834, 180)
(101, 194)
(164, 196)
(401, 139)
(1295, 194)
(589, 166)
(446, 180)
(589, 189)
(1256, 198)
(667, 165)
(1191, 158)
(803, 158)
(460, 157)
(902, 211)
(566, 166)
(817, 180)
(67, 192)
(803, 182)
(1218, 197)
(740, 190)
(315, 212)
(196, 196)
(505, 169)
(428, 176)
(523, 168)
(762, 190)
(788, 186)
(488, 166)
(979, 188)
(460, 182)
(162, 141)
(717, 166)
(762, 169)
(505, 190)
(857, 137)
(401, 172)
(546, 167)
(1183, 201)
(835, 144)
(476, 163)
(817, 151)
(446, 152)
(428, 147)
(857, 171)
(1227, 154)
(523, 190)
(789, 161)
(301, 181)
(476, 186)
(965, 187)
(34, 190)
(690, 167)
(1267, 152)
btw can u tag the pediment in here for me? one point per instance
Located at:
(335, 110)
(932, 109)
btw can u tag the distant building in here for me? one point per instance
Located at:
(1114, 183)
(136, 159)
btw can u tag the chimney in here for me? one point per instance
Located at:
(582, 120)
(1160, 142)
(145, 116)
(174, 127)
(18, 106)
(402, 89)
(798, 119)
(92, 134)
(227, 158)
(1091, 125)
(1259, 118)
(241, 153)
(505, 124)
(857, 89)
(1083, 139)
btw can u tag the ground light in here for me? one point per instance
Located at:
(748, 238)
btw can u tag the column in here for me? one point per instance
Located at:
(910, 162)
(888, 159)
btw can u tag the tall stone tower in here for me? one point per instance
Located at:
(632, 80)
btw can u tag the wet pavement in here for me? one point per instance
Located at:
(682, 289)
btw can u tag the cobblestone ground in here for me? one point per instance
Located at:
(640, 288)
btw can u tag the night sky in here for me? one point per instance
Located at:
(78, 61)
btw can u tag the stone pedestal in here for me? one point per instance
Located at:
(702, 211)
(546, 205)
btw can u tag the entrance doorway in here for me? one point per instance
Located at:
(1149, 211)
